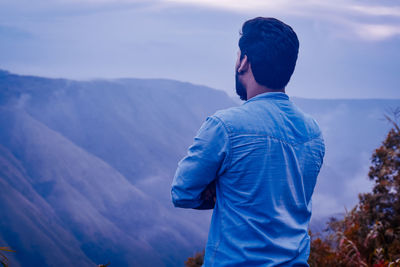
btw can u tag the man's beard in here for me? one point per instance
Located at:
(240, 89)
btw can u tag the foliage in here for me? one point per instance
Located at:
(3, 258)
(322, 253)
(195, 261)
(368, 235)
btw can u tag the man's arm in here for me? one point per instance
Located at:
(196, 173)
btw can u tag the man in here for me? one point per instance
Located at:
(262, 159)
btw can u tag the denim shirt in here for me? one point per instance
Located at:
(264, 158)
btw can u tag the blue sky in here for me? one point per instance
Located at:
(348, 49)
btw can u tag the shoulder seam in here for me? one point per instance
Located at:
(281, 139)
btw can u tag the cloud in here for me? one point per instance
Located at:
(356, 21)
(325, 205)
(241, 6)
(376, 10)
(376, 32)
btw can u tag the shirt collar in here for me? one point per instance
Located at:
(269, 95)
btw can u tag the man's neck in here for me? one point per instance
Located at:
(257, 89)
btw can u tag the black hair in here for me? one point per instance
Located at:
(271, 47)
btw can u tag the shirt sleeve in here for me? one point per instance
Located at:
(205, 160)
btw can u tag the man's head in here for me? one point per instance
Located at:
(270, 48)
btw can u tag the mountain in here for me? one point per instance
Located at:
(86, 166)
(86, 169)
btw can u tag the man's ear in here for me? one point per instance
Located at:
(243, 65)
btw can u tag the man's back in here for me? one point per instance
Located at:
(271, 154)
(263, 197)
